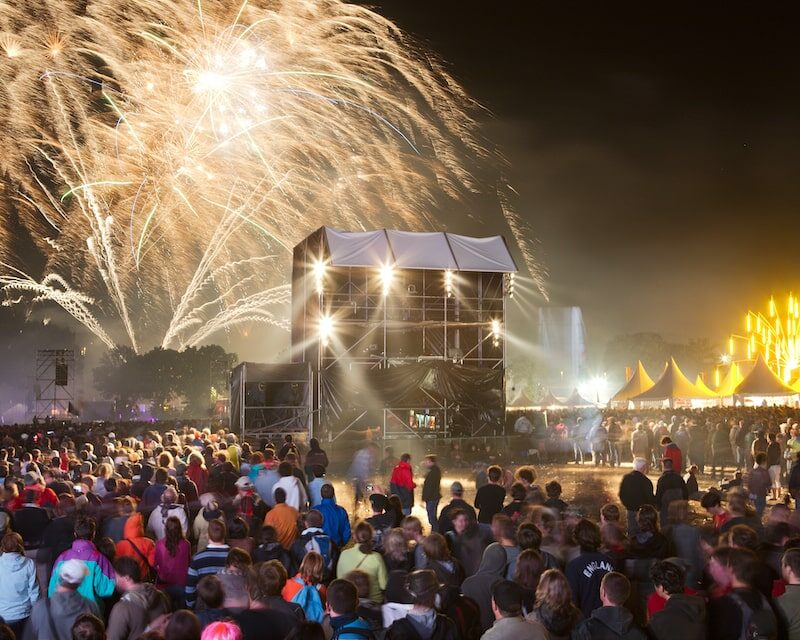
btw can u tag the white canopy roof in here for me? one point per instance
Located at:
(412, 250)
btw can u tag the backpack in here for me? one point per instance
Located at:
(757, 624)
(323, 545)
(463, 611)
(310, 600)
(360, 632)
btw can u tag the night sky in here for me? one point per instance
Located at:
(654, 147)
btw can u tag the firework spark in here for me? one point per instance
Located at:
(166, 156)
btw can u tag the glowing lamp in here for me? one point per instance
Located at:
(386, 275)
(319, 275)
(496, 330)
(448, 283)
(325, 329)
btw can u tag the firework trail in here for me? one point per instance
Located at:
(166, 155)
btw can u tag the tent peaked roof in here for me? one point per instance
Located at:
(762, 381)
(576, 400)
(674, 385)
(639, 383)
(521, 401)
(701, 384)
(549, 400)
(730, 381)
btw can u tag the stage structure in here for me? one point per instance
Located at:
(267, 400)
(404, 331)
(55, 373)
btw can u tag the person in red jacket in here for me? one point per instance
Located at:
(33, 482)
(673, 452)
(402, 483)
(197, 473)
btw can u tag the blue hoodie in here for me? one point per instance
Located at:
(18, 588)
(335, 521)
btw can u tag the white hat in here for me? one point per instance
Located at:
(244, 483)
(72, 572)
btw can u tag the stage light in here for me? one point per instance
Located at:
(725, 358)
(319, 275)
(387, 275)
(325, 329)
(508, 281)
(448, 283)
(496, 330)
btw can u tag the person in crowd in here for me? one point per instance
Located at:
(468, 540)
(363, 556)
(598, 440)
(211, 511)
(402, 483)
(586, 571)
(283, 518)
(720, 449)
(100, 579)
(490, 497)
(422, 620)
(171, 561)
(640, 444)
(318, 481)
(316, 457)
(295, 495)
(182, 625)
(343, 621)
(789, 602)
(774, 464)
(270, 549)
(239, 535)
(87, 626)
(671, 451)
(222, 630)
(207, 562)
(508, 608)
(432, 490)
(712, 503)
(553, 607)
(19, 589)
(684, 541)
(136, 545)
(52, 618)
(683, 616)
(649, 542)
(141, 603)
(529, 568)
(743, 611)
(266, 477)
(505, 534)
(670, 487)
(518, 504)
(448, 569)
(412, 530)
(611, 620)
(759, 483)
(335, 520)
(370, 611)
(457, 502)
(267, 589)
(635, 490)
(397, 554)
(492, 569)
(553, 491)
(314, 538)
(308, 579)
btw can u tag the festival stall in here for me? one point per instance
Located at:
(673, 389)
(763, 387)
(638, 383)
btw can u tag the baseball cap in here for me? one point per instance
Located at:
(72, 572)
(457, 487)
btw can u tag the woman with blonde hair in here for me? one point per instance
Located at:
(396, 553)
(554, 608)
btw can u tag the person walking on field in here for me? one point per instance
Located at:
(402, 483)
(432, 490)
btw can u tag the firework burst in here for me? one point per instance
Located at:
(166, 156)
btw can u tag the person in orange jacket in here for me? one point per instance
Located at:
(135, 545)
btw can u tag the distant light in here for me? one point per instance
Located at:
(726, 358)
(325, 329)
(448, 283)
(319, 275)
(387, 275)
(497, 328)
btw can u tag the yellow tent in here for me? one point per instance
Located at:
(673, 385)
(762, 381)
(639, 383)
(701, 384)
(730, 381)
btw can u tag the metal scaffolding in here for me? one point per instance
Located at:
(54, 383)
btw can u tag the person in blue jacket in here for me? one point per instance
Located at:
(335, 521)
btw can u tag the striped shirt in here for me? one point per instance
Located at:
(207, 562)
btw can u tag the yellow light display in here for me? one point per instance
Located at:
(774, 335)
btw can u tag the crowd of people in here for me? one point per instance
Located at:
(192, 534)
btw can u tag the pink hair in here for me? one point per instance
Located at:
(222, 631)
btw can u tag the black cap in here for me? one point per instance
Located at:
(507, 595)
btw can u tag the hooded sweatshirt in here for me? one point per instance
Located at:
(134, 539)
(683, 617)
(135, 610)
(479, 586)
(424, 622)
(18, 588)
(64, 606)
(295, 493)
(609, 623)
